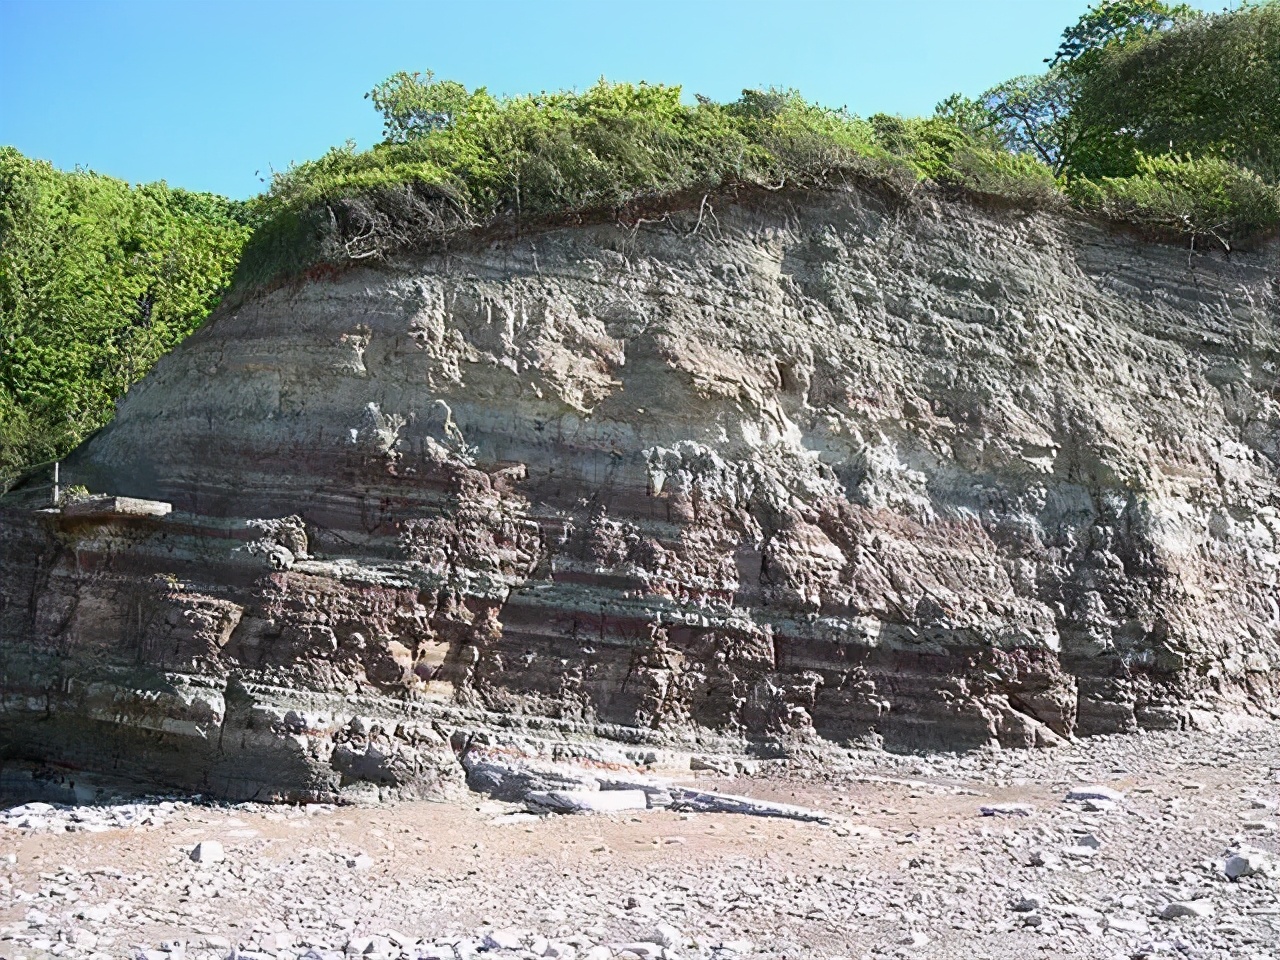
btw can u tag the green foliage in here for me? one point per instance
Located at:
(1032, 115)
(455, 159)
(970, 115)
(948, 150)
(1202, 198)
(414, 103)
(1210, 87)
(97, 281)
(1018, 178)
(1130, 79)
(1116, 23)
(1038, 114)
(453, 162)
(75, 494)
(1148, 113)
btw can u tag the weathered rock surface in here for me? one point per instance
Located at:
(834, 470)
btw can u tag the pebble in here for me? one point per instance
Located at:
(1007, 810)
(1095, 792)
(503, 940)
(208, 851)
(667, 935)
(1131, 925)
(642, 949)
(968, 888)
(1187, 908)
(1246, 863)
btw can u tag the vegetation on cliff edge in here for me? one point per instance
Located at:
(98, 280)
(1148, 114)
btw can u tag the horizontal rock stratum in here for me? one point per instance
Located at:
(817, 467)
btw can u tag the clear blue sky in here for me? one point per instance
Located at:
(203, 94)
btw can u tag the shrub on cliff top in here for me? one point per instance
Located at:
(1155, 115)
(1152, 113)
(456, 159)
(1209, 87)
(1206, 197)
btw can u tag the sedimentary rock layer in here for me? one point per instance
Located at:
(815, 467)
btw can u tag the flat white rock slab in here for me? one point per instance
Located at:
(589, 801)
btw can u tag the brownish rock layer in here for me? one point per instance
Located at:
(824, 470)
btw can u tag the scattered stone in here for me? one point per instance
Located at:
(960, 880)
(504, 940)
(1095, 792)
(1134, 926)
(1046, 859)
(1246, 863)
(1080, 851)
(1187, 908)
(668, 936)
(1007, 810)
(707, 801)
(276, 942)
(588, 801)
(1079, 912)
(516, 818)
(37, 817)
(208, 851)
(723, 766)
(643, 949)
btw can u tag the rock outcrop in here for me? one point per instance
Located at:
(818, 468)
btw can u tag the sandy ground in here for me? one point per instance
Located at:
(910, 867)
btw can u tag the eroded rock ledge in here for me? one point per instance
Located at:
(822, 470)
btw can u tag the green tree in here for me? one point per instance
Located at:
(97, 281)
(1033, 114)
(413, 104)
(1036, 114)
(1115, 23)
(1208, 88)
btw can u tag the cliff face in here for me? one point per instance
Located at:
(807, 467)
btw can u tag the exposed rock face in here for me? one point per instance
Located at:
(824, 469)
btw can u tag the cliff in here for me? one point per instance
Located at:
(811, 467)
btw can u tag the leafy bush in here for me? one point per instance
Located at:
(1208, 87)
(1199, 198)
(1017, 178)
(1152, 114)
(97, 281)
(456, 159)
(940, 149)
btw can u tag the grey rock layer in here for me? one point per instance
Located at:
(824, 469)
